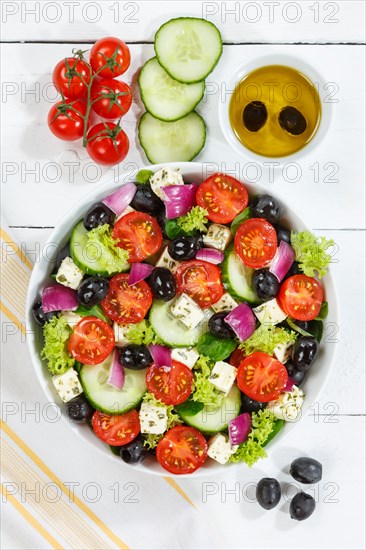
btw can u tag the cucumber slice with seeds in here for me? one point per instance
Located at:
(188, 48)
(166, 98)
(237, 277)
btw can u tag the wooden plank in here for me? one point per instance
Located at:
(239, 22)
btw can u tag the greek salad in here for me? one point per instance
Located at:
(183, 318)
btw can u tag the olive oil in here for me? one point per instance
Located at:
(275, 111)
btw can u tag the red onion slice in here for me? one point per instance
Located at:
(121, 198)
(139, 272)
(242, 320)
(239, 428)
(289, 385)
(161, 355)
(116, 376)
(210, 255)
(59, 298)
(179, 199)
(282, 261)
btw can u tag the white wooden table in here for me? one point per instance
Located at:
(43, 177)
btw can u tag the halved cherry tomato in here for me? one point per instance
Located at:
(171, 385)
(110, 57)
(301, 297)
(256, 242)
(92, 341)
(126, 303)
(223, 197)
(182, 450)
(116, 430)
(201, 281)
(70, 77)
(237, 357)
(111, 98)
(262, 377)
(65, 119)
(139, 234)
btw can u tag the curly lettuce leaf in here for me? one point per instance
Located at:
(195, 220)
(151, 440)
(56, 333)
(203, 391)
(263, 424)
(142, 333)
(102, 248)
(143, 176)
(266, 338)
(311, 253)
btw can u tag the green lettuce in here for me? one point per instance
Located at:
(203, 391)
(142, 333)
(143, 176)
(263, 424)
(266, 338)
(102, 248)
(311, 253)
(151, 440)
(194, 220)
(56, 333)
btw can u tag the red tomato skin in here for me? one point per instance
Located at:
(130, 232)
(101, 106)
(286, 298)
(77, 89)
(64, 127)
(107, 47)
(176, 435)
(212, 288)
(236, 357)
(102, 149)
(80, 335)
(168, 377)
(223, 196)
(105, 426)
(267, 236)
(267, 366)
(140, 304)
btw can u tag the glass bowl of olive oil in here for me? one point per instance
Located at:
(275, 110)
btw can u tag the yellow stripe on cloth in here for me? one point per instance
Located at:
(179, 490)
(18, 251)
(12, 317)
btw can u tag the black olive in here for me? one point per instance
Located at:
(162, 284)
(162, 219)
(283, 234)
(133, 452)
(297, 376)
(183, 248)
(306, 470)
(265, 284)
(302, 506)
(79, 409)
(92, 291)
(218, 327)
(292, 121)
(304, 325)
(61, 255)
(268, 493)
(265, 206)
(304, 352)
(255, 116)
(251, 405)
(295, 269)
(40, 317)
(135, 357)
(146, 201)
(98, 214)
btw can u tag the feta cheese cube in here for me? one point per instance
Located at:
(67, 385)
(282, 352)
(72, 318)
(127, 210)
(153, 419)
(120, 335)
(270, 312)
(288, 406)
(167, 261)
(226, 303)
(220, 449)
(223, 376)
(164, 177)
(69, 274)
(217, 236)
(187, 356)
(186, 310)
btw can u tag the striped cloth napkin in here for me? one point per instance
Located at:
(57, 492)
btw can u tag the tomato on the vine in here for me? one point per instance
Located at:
(110, 57)
(71, 77)
(65, 119)
(107, 143)
(111, 99)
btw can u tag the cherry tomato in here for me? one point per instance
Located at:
(223, 197)
(112, 54)
(256, 242)
(301, 297)
(126, 303)
(71, 77)
(182, 450)
(116, 430)
(171, 385)
(262, 377)
(112, 98)
(201, 281)
(139, 234)
(92, 341)
(237, 357)
(107, 143)
(65, 119)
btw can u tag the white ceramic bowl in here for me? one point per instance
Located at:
(192, 172)
(276, 59)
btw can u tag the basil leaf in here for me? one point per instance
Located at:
(276, 428)
(316, 329)
(174, 230)
(94, 311)
(323, 313)
(240, 218)
(143, 176)
(215, 348)
(189, 407)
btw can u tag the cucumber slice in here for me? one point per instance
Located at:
(106, 398)
(166, 98)
(79, 254)
(214, 418)
(237, 278)
(175, 141)
(188, 48)
(172, 331)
